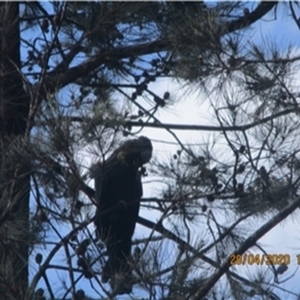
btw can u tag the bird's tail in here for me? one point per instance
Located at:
(118, 272)
(115, 266)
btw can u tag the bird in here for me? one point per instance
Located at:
(118, 190)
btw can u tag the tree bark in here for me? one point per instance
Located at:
(14, 184)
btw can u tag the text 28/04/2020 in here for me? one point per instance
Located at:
(261, 259)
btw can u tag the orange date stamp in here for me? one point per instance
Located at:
(259, 259)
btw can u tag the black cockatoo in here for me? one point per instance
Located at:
(118, 190)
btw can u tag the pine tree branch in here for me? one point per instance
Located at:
(70, 76)
(211, 128)
(248, 243)
(262, 9)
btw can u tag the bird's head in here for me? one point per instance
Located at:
(137, 152)
(145, 149)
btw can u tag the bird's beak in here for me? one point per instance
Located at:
(146, 156)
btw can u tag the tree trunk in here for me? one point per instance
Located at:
(14, 183)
